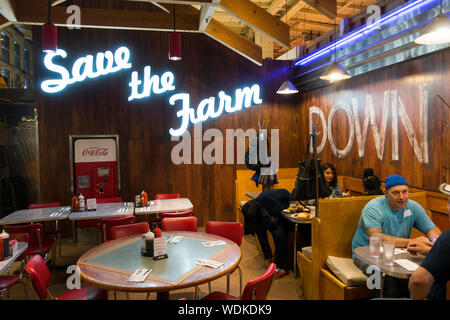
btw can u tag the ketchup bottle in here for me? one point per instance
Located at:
(74, 203)
(157, 231)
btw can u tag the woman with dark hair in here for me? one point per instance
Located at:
(331, 179)
(371, 183)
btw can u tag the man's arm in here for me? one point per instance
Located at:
(434, 233)
(420, 283)
(399, 242)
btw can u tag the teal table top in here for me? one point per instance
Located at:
(110, 264)
(181, 258)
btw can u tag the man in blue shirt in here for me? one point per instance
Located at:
(392, 217)
(429, 280)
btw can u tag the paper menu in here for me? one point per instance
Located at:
(160, 246)
(407, 264)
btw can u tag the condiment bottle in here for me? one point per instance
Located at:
(5, 243)
(157, 232)
(74, 203)
(149, 241)
(144, 198)
(81, 202)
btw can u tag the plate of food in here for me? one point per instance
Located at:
(303, 216)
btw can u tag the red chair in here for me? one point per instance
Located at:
(107, 224)
(44, 205)
(40, 277)
(95, 223)
(47, 234)
(232, 231)
(161, 196)
(179, 224)
(8, 281)
(129, 229)
(37, 244)
(255, 289)
(189, 213)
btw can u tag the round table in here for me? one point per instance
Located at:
(110, 265)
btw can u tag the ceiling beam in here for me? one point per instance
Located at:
(116, 19)
(293, 10)
(315, 25)
(326, 7)
(276, 6)
(234, 41)
(185, 2)
(206, 14)
(259, 19)
(7, 10)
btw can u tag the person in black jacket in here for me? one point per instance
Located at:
(371, 183)
(262, 214)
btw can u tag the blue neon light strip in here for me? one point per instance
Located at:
(327, 50)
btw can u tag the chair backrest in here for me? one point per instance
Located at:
(21, 237)
(229, 230)
(257, 289)
(129, 229)
(44, 205)
(35, 232)
(109, 200)
(161, 196)
(107, 224)
(188, 213)
(179, 224)
(40, 275)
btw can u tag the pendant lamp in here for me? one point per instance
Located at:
(287, 88)
(49, 35)
(437, 31)
(335, 71)
(174, 42)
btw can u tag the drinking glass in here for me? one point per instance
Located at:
(375, 245)
(388, 252)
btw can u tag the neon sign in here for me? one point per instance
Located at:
(83, 68)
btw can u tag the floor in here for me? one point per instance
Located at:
(252, 265)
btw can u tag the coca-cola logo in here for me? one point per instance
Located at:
(95, 152)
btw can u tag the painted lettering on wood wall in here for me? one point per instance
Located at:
(393, 113)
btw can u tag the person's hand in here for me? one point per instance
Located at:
(347, 194)
(419, 245)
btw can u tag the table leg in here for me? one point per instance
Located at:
(295, 250)
(58, 239)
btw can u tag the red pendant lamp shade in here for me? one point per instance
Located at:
(174, 46)
(49, 37)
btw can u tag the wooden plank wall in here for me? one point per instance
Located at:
(406, 78)
(100, 106)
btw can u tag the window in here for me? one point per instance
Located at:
(6, 75)
(17, 81)
(5, 47)
(26, 61)
(17, 55)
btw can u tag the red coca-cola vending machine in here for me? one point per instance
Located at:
(95, 166)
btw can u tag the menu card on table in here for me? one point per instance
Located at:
(160, 248)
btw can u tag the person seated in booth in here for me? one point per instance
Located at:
(429, 280)
(371, 183)
(330, 174)
(262, 214)
(392, 217)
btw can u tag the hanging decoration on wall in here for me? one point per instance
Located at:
(174, 41)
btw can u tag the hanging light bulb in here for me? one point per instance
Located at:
(436, 32)
(174, 41)
(287, 88)
(335, 72)
(49, 35)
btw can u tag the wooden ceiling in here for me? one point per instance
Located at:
(256, 29)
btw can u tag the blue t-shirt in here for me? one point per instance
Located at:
(378, 214)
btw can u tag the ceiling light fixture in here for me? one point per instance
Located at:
(49, 34)
(437, 31)
(287, 87)
(335, 72)
(174, 41)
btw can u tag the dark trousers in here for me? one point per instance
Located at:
(280, 241)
